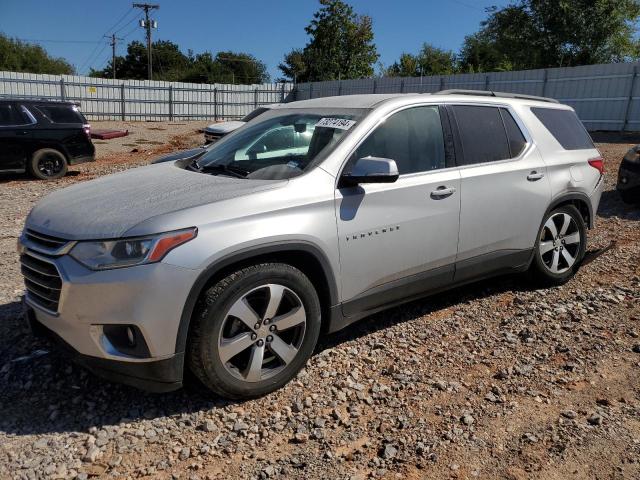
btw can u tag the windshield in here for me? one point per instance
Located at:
(280, 144)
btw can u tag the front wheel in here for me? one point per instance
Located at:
(254, 330)
(560, 246)
(48, 164)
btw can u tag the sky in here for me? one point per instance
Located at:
(266, 29)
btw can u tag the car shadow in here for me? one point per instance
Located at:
(611, 205)
(42, 391)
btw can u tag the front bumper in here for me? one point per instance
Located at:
(148, 298)
(154, 376)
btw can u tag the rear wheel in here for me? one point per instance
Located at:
(560, 246)
(254, 330)
(48, 164)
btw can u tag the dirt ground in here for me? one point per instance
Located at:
(496, 380)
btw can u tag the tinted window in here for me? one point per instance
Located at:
(565, 126)
(9, 115)
(60, 113)
(412, 137)
(516, 139)
(482, 134)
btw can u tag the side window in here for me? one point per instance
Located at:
(10, 116)
(412, 137)
(516, 139)
(61, 113)
(565, 126)
(482, 134)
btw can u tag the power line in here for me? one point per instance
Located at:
(126, 14)
(135, 18)
(46, 40)
(464, 4)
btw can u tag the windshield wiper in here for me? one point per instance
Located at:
(219, 167)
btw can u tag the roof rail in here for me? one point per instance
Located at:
(487, 93)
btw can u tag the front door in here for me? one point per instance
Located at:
(398, 240)
(14, 136)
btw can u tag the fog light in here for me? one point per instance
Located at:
(127, 340)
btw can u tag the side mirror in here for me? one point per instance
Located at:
(371, 170)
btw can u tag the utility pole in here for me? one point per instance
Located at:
(114, 39)
(148, 24)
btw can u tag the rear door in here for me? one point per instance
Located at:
(15, 134)
(504, 190)
(399, 239)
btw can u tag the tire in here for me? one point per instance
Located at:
(48, 164)
(225, 346)
(556, 260)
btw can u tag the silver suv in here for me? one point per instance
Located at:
(310, 217)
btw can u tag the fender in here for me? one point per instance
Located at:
(242, 255)
(573, 196)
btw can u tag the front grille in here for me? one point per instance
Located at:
(42, 281)
(46, 241)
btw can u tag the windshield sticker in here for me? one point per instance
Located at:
(339, 123)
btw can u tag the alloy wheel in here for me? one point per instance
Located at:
(50, 165)
(560, 243)
(262, 332)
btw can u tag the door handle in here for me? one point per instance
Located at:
(533, 176)
(22, 132)
(442, 192)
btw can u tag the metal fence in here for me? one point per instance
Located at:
(106, 99)
(605, 97)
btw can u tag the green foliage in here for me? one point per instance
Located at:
(340, 46)
(170, 64)
(17, 56)
(429, 61)
(553, 33)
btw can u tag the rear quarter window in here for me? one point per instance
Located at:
(566, 128)
(61, 114)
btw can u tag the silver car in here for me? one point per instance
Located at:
(312, 216)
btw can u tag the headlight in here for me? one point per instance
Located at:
(633, 155)
(126, 252)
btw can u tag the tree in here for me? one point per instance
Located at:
(553, 33)
(170, 64)
(429, 61)
(18, 56)
(293, 66)
(340, 46)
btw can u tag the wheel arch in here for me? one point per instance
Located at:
(580, 201)
(308, 258)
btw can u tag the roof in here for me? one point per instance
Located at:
(374, 100)
(37, 100)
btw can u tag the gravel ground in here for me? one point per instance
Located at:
(493, 380)
(144, 136)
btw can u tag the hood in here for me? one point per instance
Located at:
(224, 127)
(181, 155)
(110, 206)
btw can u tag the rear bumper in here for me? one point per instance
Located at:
(154, 376)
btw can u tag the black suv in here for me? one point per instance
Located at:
(43, 137)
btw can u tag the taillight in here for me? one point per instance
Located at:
(87, 129)
(598, 164)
